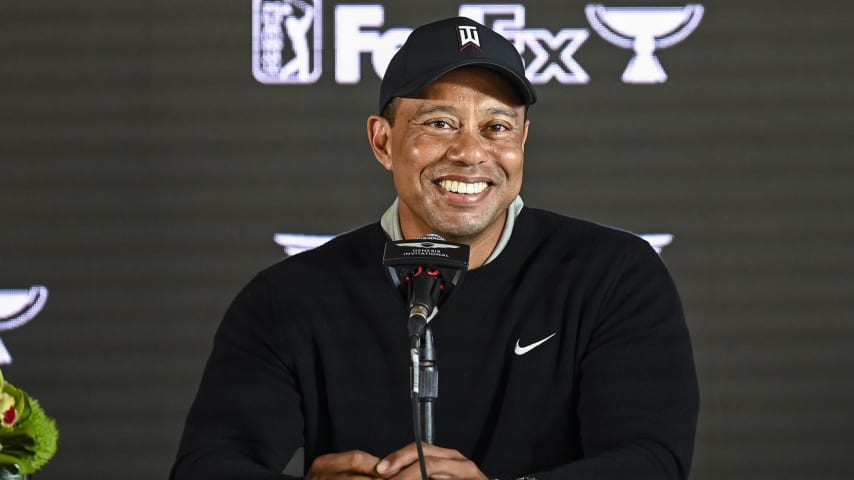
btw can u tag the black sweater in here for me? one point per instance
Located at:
(314, 352)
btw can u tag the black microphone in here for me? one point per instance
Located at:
(425, 271)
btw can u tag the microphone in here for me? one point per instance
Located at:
(425, 271)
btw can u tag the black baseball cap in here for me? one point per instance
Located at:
(436, 48)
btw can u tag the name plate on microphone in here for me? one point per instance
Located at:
(402, 257)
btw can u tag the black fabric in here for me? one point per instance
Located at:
(314, 352)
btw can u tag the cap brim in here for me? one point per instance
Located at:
(521, 84)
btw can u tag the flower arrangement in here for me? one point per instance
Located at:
(27, 435)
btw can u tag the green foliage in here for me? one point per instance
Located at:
(28, 437)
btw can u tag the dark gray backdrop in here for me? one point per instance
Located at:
(145, 172)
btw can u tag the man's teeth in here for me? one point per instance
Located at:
(462, 187)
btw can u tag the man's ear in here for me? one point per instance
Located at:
(379, 136)
(525, 134)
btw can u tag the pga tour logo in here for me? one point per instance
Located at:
(287, 39)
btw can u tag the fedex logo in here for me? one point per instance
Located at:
(358, 32)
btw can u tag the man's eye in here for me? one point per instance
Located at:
(498, 127)
(439, 124)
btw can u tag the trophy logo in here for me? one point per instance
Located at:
(18, 307)
(645, 30)
(286, 41)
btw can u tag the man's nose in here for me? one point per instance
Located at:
(468, 147)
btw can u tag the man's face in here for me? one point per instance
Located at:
(456, 154)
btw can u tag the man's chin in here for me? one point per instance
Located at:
(460, 227)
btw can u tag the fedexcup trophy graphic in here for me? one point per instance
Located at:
(645, 30)
(18, 307)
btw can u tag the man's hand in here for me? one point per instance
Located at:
(441, 463)
(355, 464)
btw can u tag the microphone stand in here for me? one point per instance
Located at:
(424, 376)
(424, 270)
(429, 391)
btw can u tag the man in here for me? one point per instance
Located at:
(564, 353)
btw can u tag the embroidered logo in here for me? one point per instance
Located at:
(520, 350)
(468, 37)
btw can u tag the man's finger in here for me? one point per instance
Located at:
(408, 455)
(453, 468)
(457, 468)
(395, 461)
(354, 462)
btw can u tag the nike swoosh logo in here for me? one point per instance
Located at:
(520, 350)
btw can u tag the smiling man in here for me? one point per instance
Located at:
(455, 150)
(564, 354)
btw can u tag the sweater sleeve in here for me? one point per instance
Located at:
(246, 421)
(638, 396)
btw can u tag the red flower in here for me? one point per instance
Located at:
(9, 417)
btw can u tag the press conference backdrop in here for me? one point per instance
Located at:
(146, 170)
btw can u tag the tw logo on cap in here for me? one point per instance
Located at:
(468, 37)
